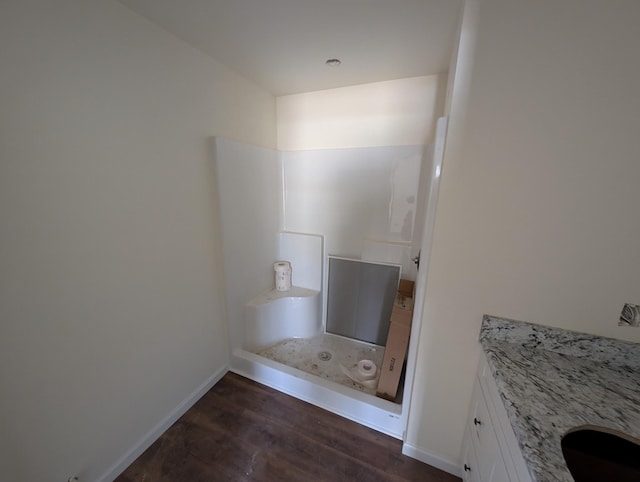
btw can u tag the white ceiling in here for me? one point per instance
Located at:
(282, 45)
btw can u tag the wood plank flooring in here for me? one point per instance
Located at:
(242, 430)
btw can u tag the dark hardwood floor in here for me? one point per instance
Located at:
(241, 430)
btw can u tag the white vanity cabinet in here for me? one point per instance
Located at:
(490, 449)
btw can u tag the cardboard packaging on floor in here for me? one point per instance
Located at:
(406, 287)
(397, 342)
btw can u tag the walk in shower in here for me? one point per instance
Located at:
(310, 208)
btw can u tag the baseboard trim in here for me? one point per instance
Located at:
(430, 459)
(145, 442)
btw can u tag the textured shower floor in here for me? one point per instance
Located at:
(322, 356)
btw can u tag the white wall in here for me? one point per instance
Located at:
(399, 112)
(111, 308)
(538, 208)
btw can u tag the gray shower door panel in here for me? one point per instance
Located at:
(360, 299)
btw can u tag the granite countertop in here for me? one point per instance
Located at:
(551, 380)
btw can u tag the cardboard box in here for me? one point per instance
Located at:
(397, 343)
(406, 287)
(394, 355)
(402, 311)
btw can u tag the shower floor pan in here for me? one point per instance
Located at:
(310, 369)
(324, 356)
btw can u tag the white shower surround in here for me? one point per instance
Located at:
(362, 201)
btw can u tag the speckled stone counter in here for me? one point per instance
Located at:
(552, 380)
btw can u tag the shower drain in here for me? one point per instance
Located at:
(324, 356)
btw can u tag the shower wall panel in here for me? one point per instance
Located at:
(250, 192)
(363, 200)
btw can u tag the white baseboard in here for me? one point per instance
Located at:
(145, 442)
(430, 459)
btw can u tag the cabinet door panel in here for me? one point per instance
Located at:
(500, 472)
(484, 440)
(490, 449)
(470, 471)
(515, 464)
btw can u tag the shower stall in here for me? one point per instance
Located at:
(330, 213)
